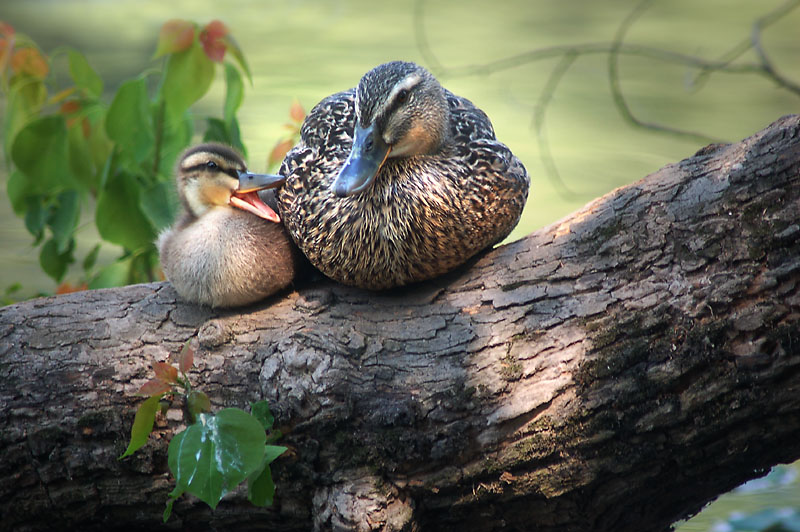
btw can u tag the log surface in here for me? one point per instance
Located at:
(613, 371)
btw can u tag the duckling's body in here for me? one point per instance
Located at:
(218, 253)
(443, 189)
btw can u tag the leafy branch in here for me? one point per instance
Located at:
(216, 452)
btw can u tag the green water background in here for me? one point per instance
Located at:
(307, 49)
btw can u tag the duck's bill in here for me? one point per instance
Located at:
(249, 182)
(366, 157)
(250, 202)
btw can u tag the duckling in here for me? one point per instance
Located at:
(229, 248)
(398, 180)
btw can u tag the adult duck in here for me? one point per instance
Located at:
(229, 248)
(398, 180)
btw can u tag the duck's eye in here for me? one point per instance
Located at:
(402, 95)
(211, 165)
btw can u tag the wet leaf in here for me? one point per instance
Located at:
(175, 36)
(260, 487)
(142, 425)
(197, 403)
(214, 455)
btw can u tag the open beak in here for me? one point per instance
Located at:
(246, 196)
(366, 157)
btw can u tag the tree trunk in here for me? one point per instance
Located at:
(614, 371)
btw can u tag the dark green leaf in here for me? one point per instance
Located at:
(129, 122)
(260, 411)
(215, 454)
(18, 192)
(54, 263)
(83, 75)
(217, 131)
(197, 403)
(142, 425)
(234, 92)
(115, 274)
(236, 52)
(160, 203)
(187, 77)
(81, 161)
(260, 487)
(118, 215)
(65, 219)
(91, 258)
(40, 152)
(35, 216)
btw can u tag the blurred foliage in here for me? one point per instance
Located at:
(68, 150)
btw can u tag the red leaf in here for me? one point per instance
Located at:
(296, 111)
(175, 36)
(31, 62)
(186, 358)
(6, 29)
(279, 151)
(213, 39)
(166, 373)
(153, 387)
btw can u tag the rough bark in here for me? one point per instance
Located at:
(614, 371)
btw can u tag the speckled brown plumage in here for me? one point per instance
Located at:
(423, 214)
(217, 254)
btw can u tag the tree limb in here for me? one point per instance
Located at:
(614, 371)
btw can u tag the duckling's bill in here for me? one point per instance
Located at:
(246, 196)
(367, 155)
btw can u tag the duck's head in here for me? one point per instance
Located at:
(214, 175)
(401, 111)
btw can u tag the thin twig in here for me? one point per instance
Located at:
(616, 90)
(539, 112)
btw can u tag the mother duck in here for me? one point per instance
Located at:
(398, 180)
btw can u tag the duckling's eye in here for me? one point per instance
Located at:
(211, 165)
(402, 96)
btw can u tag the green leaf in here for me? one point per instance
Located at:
(65, 219)
(187, 77)
(40, 152)
(197, 403)
(260, 487)
(35, 216)
(160, 203)
(18, 192)
(91, 258)
(234, 93)
(214, 455)
(115, 274)
(25, 98)
(271, 452)
(260, 411)
(118, 215)
(81, 161)
(84, 76)
(142, 425)
(54, 263)
(236, 51)
(129, 122)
